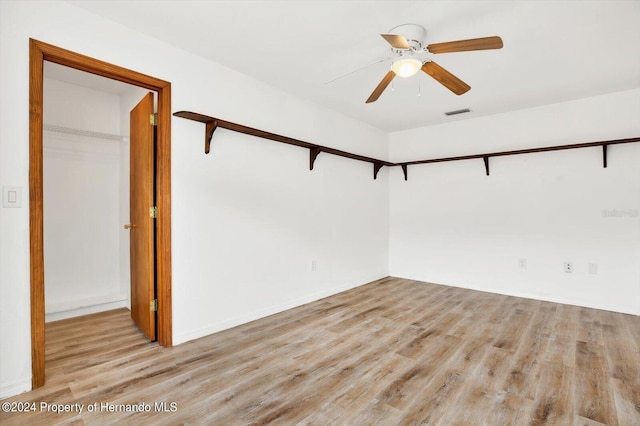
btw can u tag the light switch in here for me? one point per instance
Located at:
(11, 196)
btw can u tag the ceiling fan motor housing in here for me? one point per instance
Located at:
(414, 33)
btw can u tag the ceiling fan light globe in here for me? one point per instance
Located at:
(406, 67)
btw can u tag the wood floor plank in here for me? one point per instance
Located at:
(633, 327)
(416, 347)
(479, 393)
(553, 404)
(508, 409)
(360, 395)
(403, 389)
(390, 352)
(593, 395)
(525, 369)
(477, 309)
(623, 361)
(581, 421)
(437, 399)
(511, 336)
(376, 413)
(590, 326)
(626, 397)
(564, 335)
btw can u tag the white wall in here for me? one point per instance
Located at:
(71, 105)
(247, 219)
(81, 199)
(453, 225)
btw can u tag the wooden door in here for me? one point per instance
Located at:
(39, 52)
(142, 224)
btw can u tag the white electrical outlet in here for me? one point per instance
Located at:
(568, 267)
(314, 265)
(592, 268)
(522, 263)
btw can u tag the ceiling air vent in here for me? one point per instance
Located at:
(458, 111)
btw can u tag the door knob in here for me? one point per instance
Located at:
(129, 226)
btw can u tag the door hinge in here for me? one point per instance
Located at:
(153, 305)
(153, 119)
(153, 212)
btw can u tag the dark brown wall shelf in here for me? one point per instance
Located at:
(485, 157)
(314, 150)
(211, 124)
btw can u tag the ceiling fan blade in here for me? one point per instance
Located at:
(396, 40)
(445, 78)
(484, 43)
(381, 86)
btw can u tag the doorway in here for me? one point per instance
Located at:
(38, 53)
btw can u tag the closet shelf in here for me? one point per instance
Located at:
(212, 123)
(485, 157)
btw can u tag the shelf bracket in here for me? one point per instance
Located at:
(313, 154)
(404, 170)
(211, 127)
(604, 155)
(486, 164)
(376, 168)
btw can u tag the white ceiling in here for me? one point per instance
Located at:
(553, 51)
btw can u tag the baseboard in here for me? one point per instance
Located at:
(85, 308)
(545, 298)
(262, 313)
(15, 388)
(563, 301)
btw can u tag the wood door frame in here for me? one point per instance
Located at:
(38, 53)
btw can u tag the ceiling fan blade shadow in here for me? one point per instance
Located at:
(381, 86)
(445, 78)
(396, 40)
(484, 43)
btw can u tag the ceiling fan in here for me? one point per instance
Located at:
(407, 42)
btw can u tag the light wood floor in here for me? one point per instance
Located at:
(390, 352)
